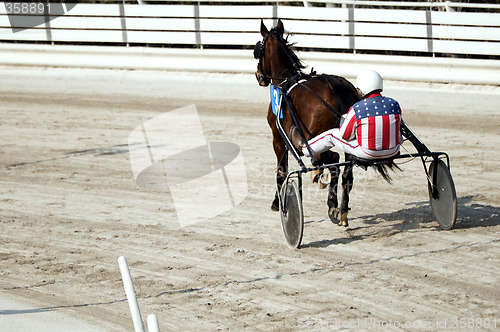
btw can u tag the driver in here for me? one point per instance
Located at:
(369, 130)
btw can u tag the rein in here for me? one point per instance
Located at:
(330, 107)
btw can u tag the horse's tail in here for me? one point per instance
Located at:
(384, 168)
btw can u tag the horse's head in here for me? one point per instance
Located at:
(263, 52)
(275, 55)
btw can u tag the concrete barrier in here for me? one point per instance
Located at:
(404, 68)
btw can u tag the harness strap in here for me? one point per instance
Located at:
(294, 85)
(333, 110)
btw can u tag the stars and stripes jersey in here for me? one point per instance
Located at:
(375, 122)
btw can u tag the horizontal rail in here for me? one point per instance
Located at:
(340, 29)
(430, 4)
(372, 3)
(446, 46)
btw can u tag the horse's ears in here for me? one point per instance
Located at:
(280, 28)
(263, 30)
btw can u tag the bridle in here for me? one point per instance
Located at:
(259, 52)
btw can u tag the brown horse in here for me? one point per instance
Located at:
(318, 102)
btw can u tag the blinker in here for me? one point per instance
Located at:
(257, 50)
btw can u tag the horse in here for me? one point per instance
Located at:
(318, 101)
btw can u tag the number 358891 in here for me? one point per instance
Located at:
(27, 8)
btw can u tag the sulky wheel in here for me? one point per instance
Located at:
(443, 199)
(292, 218)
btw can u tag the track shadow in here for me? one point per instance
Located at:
(55, 308)
(314, 221)
(327, 243)
(417, 216)
(473, 215)
(103, 151)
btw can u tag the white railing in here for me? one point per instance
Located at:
(446, 5)
(343, 26)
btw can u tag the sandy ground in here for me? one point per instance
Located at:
(69, 207)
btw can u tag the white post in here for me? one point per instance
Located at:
(449, 8)
(130, 292)
(153, 323)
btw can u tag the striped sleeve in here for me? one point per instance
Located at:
(348, 127)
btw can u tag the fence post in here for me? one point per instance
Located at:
(46, 14)
(123, 23)
(350, 20)
(197, 26)
(428, 22)
(275, 13)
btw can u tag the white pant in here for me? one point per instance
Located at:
(332, 137)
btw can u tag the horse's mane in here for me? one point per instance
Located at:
(290, 56)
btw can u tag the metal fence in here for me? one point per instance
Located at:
(380, 27)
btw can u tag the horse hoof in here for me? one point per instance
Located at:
(324, 180)
(336, 218)
(343, 220)
(315, 175)
(334, 213)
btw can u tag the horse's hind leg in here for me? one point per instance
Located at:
(347, 183)
(331, 157)
(333, 211)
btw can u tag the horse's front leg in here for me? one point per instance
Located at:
(281, 171)
(281, 157)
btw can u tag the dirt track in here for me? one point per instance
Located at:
(69, 207)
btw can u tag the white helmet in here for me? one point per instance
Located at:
(368, 81)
